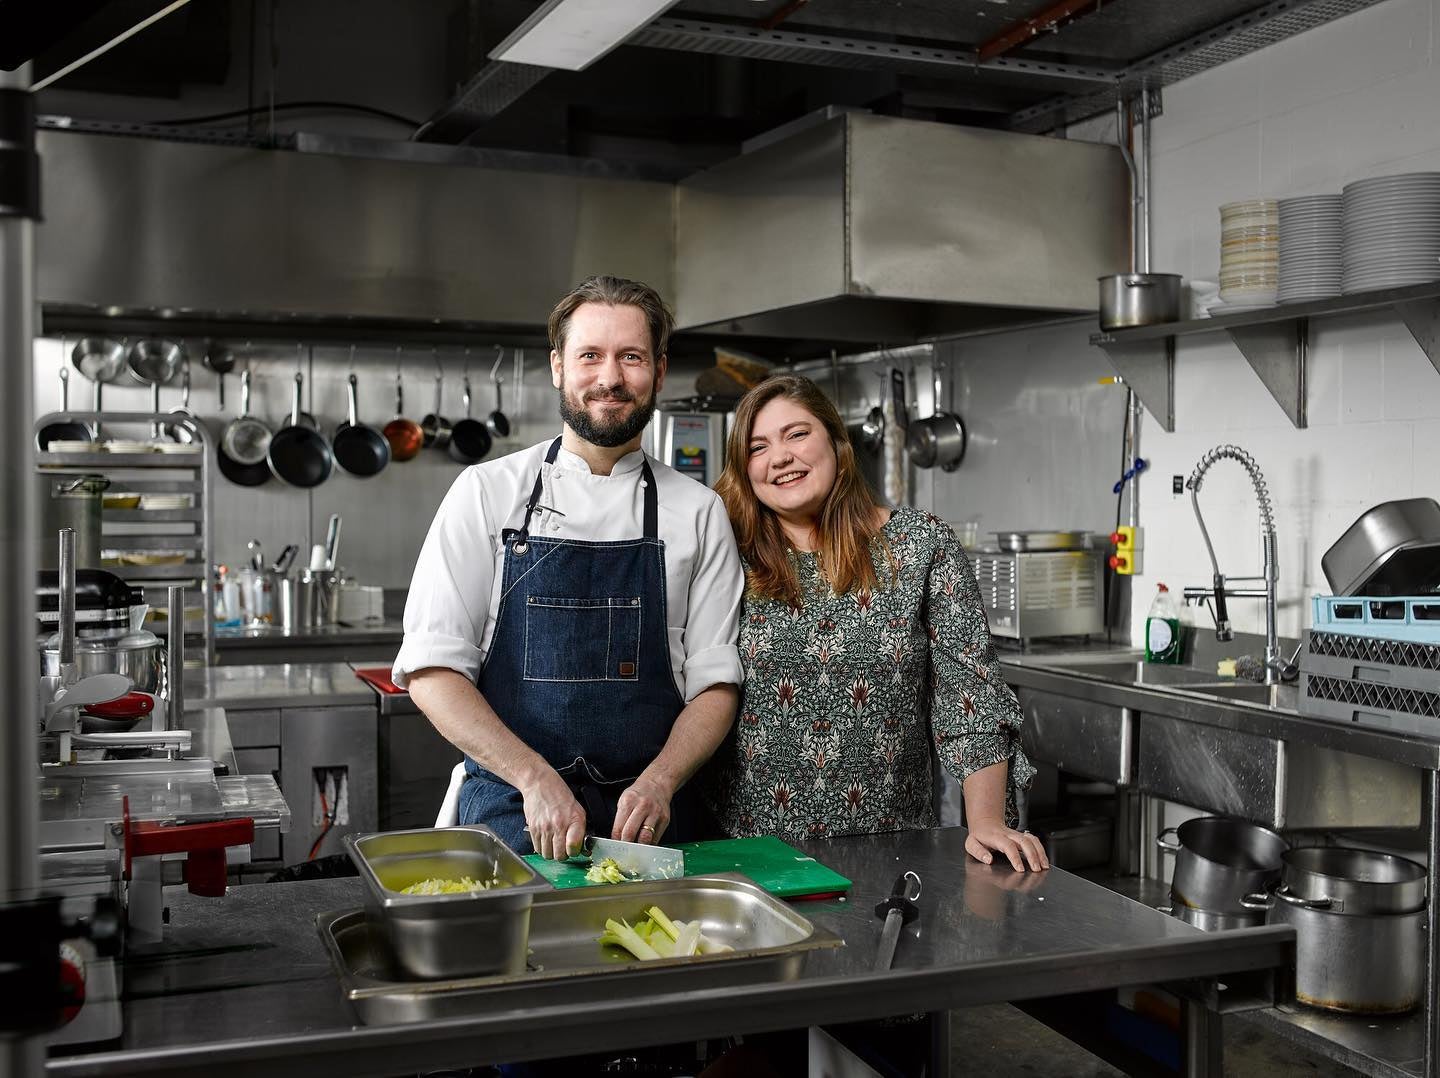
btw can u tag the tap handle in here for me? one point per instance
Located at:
(1223, 631)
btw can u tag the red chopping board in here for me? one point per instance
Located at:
(379, 678)
(776, 866)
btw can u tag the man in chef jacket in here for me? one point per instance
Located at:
(572, 621)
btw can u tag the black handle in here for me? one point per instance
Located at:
(901, 898)
(897, 394)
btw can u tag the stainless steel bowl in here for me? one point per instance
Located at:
(455, 935)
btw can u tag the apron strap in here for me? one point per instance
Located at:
(652, 502)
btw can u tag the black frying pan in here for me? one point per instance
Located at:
(299, 455)
(361, 450)
(64, 430)
(469, 438)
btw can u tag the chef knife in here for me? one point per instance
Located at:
(638, 860)
(898, 910)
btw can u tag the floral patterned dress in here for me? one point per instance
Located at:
(845, 699)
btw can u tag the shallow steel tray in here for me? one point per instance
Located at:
(567, 965)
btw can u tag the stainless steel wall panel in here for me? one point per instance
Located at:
(141, 223)
(764, 231)
(1079, 737)
(957, 214)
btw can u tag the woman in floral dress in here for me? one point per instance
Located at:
(865, 647)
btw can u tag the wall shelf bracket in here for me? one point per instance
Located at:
(1278, 352)
(1148, 367)
(1422, 319)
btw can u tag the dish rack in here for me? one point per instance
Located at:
(1350, 675)
(1414, 618)
(165, 538)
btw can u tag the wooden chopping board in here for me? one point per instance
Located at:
(776, 866)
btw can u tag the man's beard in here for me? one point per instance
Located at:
(599, 432)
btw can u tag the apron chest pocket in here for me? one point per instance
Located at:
(582, 639)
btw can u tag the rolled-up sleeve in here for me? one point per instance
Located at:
(449, 600)
(712, 622)
(974, 715)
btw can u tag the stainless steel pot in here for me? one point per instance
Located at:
(1364, 963)
(1342, 879)
(137, 656)
(1219, 861)
(70, 501)
(1139, 299)
(1391, 550)
(1211, 921)
(938, 441)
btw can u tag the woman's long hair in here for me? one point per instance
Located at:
(846, 529)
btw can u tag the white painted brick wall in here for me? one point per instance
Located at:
(1359, 97)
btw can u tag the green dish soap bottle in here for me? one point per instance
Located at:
(1162, 629)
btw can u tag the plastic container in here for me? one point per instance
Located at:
(1163, 640)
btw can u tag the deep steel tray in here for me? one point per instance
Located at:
(567, 965)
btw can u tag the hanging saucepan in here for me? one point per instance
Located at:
(470, 438)
(939, 440)
(182, 432)
(221, 360)
(299, 455)
(360, 449)
(99, 359)
(155, 362)
(404, 435)
(436, 427)
(497, 421)
(62, 430)
(245, 444)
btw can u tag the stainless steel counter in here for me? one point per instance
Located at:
(243, 982)
(1095, 674)
(267, 685)
(389, 631)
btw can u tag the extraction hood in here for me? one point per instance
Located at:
(858, 229)
(871, 229)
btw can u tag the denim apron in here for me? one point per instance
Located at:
(579, 669)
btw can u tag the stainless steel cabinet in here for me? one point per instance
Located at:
(1095, 741)
(328, 775)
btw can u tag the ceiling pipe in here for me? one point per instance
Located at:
(1048, 20)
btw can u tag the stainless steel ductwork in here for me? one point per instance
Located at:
(867, 228)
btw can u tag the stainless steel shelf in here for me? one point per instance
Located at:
(1274, 341)
(1383, 1047)
(184, 531)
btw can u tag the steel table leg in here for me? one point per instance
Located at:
(939, 1043)
(1432, 925)
(1201, 1045)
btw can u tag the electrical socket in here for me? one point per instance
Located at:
(334, 784)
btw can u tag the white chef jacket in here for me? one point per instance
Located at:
(455, 596)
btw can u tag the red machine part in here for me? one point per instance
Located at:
(205, 844)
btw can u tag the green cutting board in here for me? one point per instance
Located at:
(776, 866)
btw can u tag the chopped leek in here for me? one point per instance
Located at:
(622, 935)
(661, 937)
(606, 871)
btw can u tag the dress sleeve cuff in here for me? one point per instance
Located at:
(970, 753)
(713, 666)
(422, 650)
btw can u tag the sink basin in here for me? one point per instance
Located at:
(1285, 696)
(1142, 673)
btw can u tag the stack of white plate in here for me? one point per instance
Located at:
(1249, 254)
(1310, 248)
(126, 445)
(1391, 231)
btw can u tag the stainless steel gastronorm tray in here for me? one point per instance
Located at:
(567, 965)
(447, 935)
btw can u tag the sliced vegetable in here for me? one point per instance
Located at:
(606, 871)
(436, 885)
(622, 935)
(662, 937)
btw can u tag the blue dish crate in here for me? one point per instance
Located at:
(1414, 619)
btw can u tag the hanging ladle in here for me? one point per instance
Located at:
(497, 422)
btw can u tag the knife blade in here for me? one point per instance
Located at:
(898, 910)
(638, 860)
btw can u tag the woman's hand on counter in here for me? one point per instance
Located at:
(1021, 847)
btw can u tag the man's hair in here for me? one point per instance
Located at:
(614, 292)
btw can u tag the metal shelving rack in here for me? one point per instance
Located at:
(185, 531)
(1275, 341)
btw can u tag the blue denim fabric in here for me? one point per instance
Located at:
(579, 669)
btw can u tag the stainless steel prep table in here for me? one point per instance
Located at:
(369, 644)
(1396, 1046)
(303, 684)
(243, 981)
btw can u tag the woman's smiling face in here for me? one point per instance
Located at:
(791, 463)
